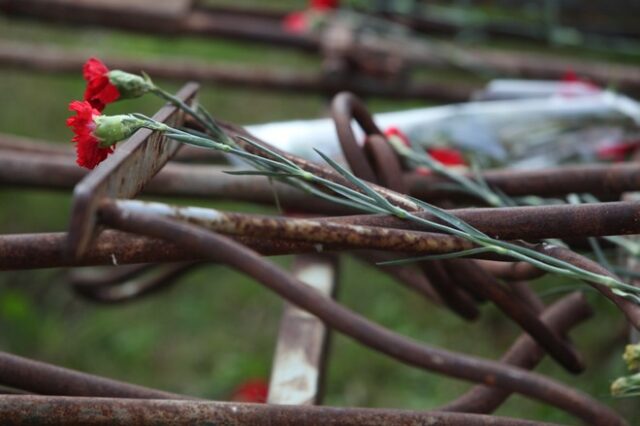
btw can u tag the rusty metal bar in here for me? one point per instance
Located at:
(145, 16)
(529, 222)
(452, 295)
(408, 276)
(174, 180)
(47, 410)
(514, 271)
(518, 311)
(124, 173)
(598, 179)
(299, 362)
(525, 353)
(49, 250)
(179, 180)
(306, 230)
(268, 30)
(51, 60)
(39, 377)
(221, 249)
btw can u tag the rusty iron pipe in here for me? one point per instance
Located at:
(39, 377)
(598, 179)
(47, 250)
(514, 271)
(530, 222)
(305, 230)
(26, 410)
(453, 295)
(51, 60)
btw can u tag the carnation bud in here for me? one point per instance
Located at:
(632, 356)
(626, 386)
(129, 85)
(111, 129)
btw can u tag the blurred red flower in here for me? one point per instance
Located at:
(447, 156)
(295, 22)
(253, 390)
(324, 4)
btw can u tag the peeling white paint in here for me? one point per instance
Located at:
(162, 209)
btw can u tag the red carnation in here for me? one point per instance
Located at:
(83, 124)
(100, 91)
(393, 131)
(295, 22)
(324, 4)
(447, 156)
(254, 390)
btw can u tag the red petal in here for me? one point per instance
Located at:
(100, 92)
(88, 150)
(324, 4)
(447, 156)
(94, 68)
(295, 22)
(394, 131)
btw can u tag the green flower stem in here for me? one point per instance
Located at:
(369, 200)
(203, 117)
(424, 159)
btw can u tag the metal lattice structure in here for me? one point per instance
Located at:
(105, 224)
(159, 242)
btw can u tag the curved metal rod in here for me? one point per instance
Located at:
(39, 377)
(519, 311)
(408, 276)
(511, 271)
(524, 292)
(458, 300)
(224, 250)
(525, 352)
(344, 108)
(58, 410)
(386, 164)
(451, 279)
(370, 163)
(162, 277)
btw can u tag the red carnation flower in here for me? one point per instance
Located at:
(324, 4)
(100, 91)
(393, 131)
(295, 22)
(251, 391)
(88, 149)
(447, 156)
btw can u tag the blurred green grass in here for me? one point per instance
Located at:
(217, 328)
